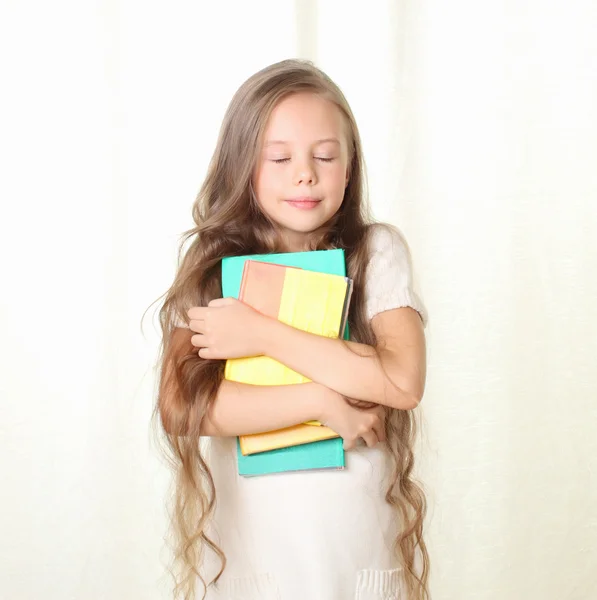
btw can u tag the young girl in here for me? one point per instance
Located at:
(287, 175)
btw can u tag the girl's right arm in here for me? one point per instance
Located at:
(241, 409)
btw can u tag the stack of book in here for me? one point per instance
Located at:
(309, 291)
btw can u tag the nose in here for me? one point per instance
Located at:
(305, 173)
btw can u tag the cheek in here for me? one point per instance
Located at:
(338, 177)
(266, 179)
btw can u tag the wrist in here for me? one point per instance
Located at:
(323, 402)
(266, 333)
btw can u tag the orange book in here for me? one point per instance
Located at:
(284, 438)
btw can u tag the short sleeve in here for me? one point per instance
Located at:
(389, 281)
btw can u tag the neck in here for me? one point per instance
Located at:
(295, 242)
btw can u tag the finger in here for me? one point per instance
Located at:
(197, 326)
(205, 353)
(197, 313)
(380, 423)
(380, 430)
(199, 341)
(219, 302)
(370, 438)
(349, 444)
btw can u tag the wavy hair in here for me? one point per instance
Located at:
(225, 204)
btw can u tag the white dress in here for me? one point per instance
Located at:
(324, 535)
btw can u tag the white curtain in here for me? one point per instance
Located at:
(479, 122)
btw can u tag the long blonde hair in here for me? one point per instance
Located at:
(224, 206)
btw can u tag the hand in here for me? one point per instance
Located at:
(226, 328)
(352, 423)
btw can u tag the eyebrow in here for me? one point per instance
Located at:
(273, 142)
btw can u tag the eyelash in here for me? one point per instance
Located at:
(285, 160)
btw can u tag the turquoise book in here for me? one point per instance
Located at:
(324, 454)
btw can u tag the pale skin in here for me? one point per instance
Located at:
(227, 328)
(305, 155)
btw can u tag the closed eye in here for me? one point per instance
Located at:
(285, 160)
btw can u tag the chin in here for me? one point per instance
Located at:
(306, 228)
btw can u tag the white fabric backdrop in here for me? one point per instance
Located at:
(479, 123)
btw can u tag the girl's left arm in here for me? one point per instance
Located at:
(355, 371)
(227, 328)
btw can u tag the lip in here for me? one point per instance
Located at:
(304, 202)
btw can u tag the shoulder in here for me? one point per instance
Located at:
(389, 280)
(389, 252)
(387, 242)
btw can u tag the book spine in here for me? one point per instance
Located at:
(349, 288)
(243, 281)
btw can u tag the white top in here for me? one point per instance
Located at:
(322, 535)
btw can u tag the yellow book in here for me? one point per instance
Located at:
(311, 301)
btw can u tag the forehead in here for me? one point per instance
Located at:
(305, 117)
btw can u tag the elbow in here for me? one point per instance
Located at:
(409, 395)
(177, 425)
(412, 395)
(412, 400)
(208, 429)
(402, 399)
(403, 390)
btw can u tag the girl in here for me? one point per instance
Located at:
(287, 175)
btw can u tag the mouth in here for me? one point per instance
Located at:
(303, 202)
